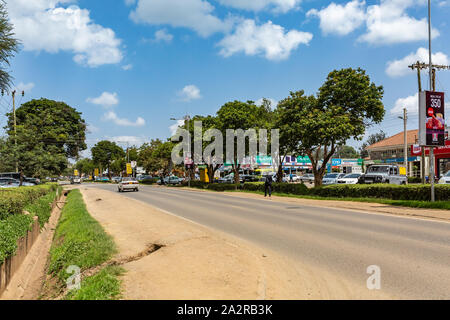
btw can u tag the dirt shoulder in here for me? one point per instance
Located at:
(194, 262)
(370, 207)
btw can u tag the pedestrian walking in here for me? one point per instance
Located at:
(268, 186)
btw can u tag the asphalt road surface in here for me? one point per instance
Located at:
(413, 254)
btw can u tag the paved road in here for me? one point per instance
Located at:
(413, 254)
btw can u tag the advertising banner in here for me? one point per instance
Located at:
(129, 169)
(96, 172)
(431, 119)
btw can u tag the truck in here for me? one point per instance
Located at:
(383, 173)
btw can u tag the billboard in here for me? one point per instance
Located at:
(129, 169)
(431, 119)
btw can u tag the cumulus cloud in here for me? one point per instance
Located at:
(173, 128)
(44, 25)
(340, 19)
(127, 67)
(258, 5)
(189, 93)
(269, 40)
(112, 116)
(411, 104)
(163, 35)
(397, 68)
(388, 23)
(127, 140)
(27, 87)
(193, 14)
(106, 99)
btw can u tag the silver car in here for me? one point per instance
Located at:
(384, 174)
(445, 179)
(332, 178)
(128, 184)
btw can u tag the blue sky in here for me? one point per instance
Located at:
(129, 66)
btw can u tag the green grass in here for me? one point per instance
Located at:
(42, 207)
(79, 239)
(445, 205)
(104, 285)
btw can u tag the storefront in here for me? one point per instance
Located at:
(441, 154)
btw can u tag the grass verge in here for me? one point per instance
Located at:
(444, 205)
(81, 241)
(105, 285)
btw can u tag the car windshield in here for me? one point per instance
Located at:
(331, 176)
(378, 169)
(352, 176)
(127, 179)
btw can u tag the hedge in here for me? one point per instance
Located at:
(380, 191)
(383, 191)
(14, 200)
(11, 229)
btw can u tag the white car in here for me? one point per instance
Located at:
(445, 178)
(351, 178)
(127, 184)
(332, 178)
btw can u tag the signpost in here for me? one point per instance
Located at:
(129, 169)
(431, 126)
(96, 172)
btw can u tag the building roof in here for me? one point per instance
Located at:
(397, 140)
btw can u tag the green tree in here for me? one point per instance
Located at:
(85, 166)
(346, 152)
(240, 115)
(48, 133)
(347, 103)
(8, 47)
(163, 157)
(372, 139)
(105, 152)
(146, 156)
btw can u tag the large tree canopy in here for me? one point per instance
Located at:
(48, 133)
(105, 152)
(347, 103)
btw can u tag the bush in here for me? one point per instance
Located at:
(149, 181)
(414, 180)
(290, 188)
(14, 200)
(223, 186)
(11, 229)
(383, 191)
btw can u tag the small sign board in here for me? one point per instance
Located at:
(431, 119)
(129, 169)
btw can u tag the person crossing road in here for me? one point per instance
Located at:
(268, 186)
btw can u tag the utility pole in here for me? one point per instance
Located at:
(405, 134)
(15, 126)
(187, 119)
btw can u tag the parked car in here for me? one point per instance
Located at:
(127, 184)
(445, 178)
(307, 177)
(249, 178)
(9, 183)
(383, 174)
(171, 180)
(351, 178)
(34, 181)
(75, 180)
(332, 178)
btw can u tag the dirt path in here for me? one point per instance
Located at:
(27, 282)
(194, 262)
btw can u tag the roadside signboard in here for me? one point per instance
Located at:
(96, 172)
(75, 173)
(129, 169)
(133, 164)
(431, 119)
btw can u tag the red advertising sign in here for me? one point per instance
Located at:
(435, 118)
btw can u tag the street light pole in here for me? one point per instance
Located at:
(430, 69)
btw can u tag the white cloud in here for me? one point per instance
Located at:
(127, 67)
(44, 25)
(27, 87)
(92, 129)
(189, 93)
(388, 23)
(411, 104)
(398, 68)
(340, 19)
(193, 14)
(127, 140)
(163, 35)
(258, 5)
(269, 40)
(106, 99)
(130, 2)
(173, 128)
(273, 102)
(112, 116)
